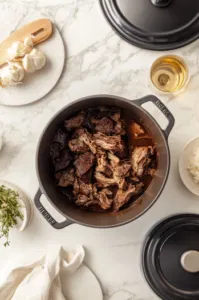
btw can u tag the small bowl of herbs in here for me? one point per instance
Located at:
(15, 210)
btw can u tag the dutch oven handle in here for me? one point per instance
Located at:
(46, 214)
(162, 108)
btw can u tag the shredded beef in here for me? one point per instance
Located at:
(97, 165)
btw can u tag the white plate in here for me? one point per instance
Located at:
(24, 200)
(186, 177)
(37, 85)
(81, 285)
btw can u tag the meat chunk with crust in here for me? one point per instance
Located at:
(104, 202)
(82, 142)
(75, 122)
(140, 159)
(82, 188)
(55, 150)
(67, 178)
(103, 180)
(104, 125)
(84, 162)
(103, 165)
(119, 128)
(122, 169)
(122, 197)
(111, 143)
(63, 161)
(115, 116)
(78, 146)
(61, 138)
(85, 201)
(87, 139)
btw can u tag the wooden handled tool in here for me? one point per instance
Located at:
(40, 30)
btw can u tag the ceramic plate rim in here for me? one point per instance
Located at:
(15, 104)
(184, 173)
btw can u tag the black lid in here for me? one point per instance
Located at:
(162, 255)
(154, 24)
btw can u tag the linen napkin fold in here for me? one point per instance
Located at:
(40, 280)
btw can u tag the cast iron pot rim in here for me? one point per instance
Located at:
(94, 97)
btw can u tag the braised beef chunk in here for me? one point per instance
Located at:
(83, 163)
(87, 139)
(84, 201)
(109, 143)
(82, 188)
(75, 122)
(55, 150)
(123, 197)
(104, 125)
(122, 169)
(104, 202)
(78, 146)
(97, 165)
(66, 178)
(119, 128)
(116, 115)
(87, 177)
(63, 161)
(140, 159)
(103, 180)
(61, 138)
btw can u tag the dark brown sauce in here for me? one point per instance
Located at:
(144, 140)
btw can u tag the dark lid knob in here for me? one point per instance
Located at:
(161, 3)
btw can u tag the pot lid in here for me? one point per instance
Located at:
(170, 258)
(154, 24)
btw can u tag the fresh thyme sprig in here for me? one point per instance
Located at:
(9, 212)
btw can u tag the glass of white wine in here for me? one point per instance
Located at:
(169, 73)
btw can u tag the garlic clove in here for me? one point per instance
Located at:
(15, 50)
(19, 49)
(28, 64)
(12, 74)
(28, 42)
(34, 61)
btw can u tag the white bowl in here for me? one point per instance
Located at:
(24, 200)
(185, 175)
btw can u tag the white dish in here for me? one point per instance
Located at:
(185, 175)
(82, 284)
(24, 200)
(37, 85)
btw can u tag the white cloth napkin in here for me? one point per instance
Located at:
(40, 280)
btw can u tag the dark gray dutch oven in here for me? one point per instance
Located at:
(74, 214)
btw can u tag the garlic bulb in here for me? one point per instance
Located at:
(19, 49)
(12, 74)
(34, 61)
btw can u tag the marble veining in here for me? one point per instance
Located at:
(98, 61)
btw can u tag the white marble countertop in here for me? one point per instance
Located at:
(98, 61)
